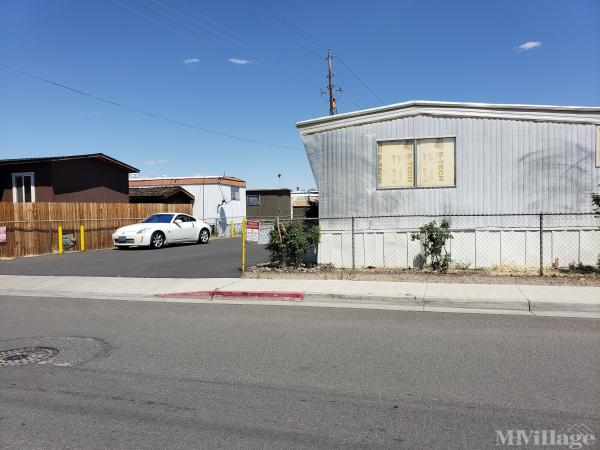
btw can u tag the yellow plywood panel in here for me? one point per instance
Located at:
(435, 162)
(395, 165)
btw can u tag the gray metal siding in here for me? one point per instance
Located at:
(502, 166)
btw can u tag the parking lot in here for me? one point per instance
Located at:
(220, 258)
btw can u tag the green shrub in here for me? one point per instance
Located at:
(596, 203)
(433, 239)
(288, 245)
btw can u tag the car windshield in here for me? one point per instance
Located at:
(158, 218)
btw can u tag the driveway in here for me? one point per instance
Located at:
(218, 259)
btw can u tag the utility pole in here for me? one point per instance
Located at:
(331, 88)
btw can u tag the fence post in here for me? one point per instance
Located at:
(81, 238)
(353, 257)
(60, 241)
(541, 244)
(243, 244)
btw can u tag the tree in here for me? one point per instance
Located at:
(433, 240)
(288, 245)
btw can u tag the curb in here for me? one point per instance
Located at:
(253, 295)
(411, 301)
(408, 300)
(425, 302)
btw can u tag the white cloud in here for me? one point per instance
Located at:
(153, 162)
(529, 45)
(191, 61)
(239, 61)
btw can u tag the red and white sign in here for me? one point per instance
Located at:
(2, 235)
(252, 227)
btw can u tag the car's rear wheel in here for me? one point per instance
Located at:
(203, 236)
(157, 240)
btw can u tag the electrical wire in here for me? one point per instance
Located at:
(146, 113)
(317, 42)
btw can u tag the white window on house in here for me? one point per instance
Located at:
(235, 193)
(253, 200)
(416, 163)
(23, 186)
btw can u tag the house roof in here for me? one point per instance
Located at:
(549, 113)
(158, 191)
(183, 181)
(256, 191)
(99, 156)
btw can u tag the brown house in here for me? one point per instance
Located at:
(160, 194)
(79, 178)
(268, 203)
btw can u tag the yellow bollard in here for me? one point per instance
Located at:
(81, 238)
(231, 229)
(243, 244)
(60, 243)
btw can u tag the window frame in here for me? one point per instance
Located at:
(14, 185)
(415, 165)
(235, 193)
(253, 195)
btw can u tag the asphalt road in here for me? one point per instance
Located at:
(220, 258)
(168, 375)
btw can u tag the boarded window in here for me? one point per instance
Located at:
(435, 162)
(395, 165)
(410, 163)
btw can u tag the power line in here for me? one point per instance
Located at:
(146, 113)
(168, 27)
(359, 79)
(317, 42)
(236, 43)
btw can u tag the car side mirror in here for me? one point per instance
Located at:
(178, 220)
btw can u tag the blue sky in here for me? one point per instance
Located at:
(254, 69)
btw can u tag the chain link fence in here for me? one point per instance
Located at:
(507, 242)
(226, 227)
(25, 238)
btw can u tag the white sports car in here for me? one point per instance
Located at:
(162, 229)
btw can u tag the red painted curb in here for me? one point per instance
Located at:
(254, 295)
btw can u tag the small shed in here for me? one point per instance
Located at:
(269, 203)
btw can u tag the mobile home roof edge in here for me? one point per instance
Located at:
(581, 114)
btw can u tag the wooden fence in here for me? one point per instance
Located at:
(31, 228)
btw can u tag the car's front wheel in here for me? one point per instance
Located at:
(157, 240)
(203, 236)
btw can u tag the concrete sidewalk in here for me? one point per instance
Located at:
(524, 299)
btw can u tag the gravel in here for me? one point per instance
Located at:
(469, 276)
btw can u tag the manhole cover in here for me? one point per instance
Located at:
(26, 355)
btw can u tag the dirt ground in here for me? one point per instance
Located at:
(553, 277)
